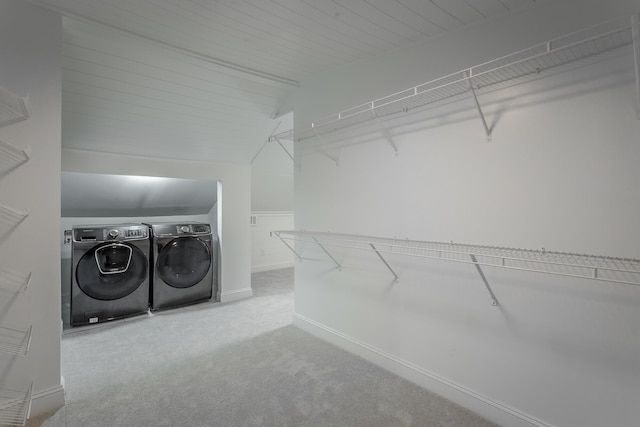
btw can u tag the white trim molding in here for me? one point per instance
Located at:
(47, 400)
(268, 267)
(236, 295)
(484, 406)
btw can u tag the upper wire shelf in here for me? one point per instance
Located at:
(11, 157)
(608, 269)
(15, 406)
(15, 342)
(15, 282)
(518, 67)
(13, 108)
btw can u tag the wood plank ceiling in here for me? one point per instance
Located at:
(203, 79)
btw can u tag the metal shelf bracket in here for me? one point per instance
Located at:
(385, 262)
(385, 132)
(284, 149)
(275, 138)
(328, 254)
(264, 144)
(335, 158)
(475, 99)
(287, 245)
(494, 300)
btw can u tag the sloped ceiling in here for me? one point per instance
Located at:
(204, 79)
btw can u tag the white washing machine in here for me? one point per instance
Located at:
(184, 263)
(109, 272)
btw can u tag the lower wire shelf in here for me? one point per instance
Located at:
(601, 268)
(15, 405)
(15, 342)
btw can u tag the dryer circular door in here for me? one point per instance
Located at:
(183, 262)
(111, 271)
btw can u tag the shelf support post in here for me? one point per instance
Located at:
(635, 31)
(494, 300)
(385, 131)
(27, 283)
(328, 254)
(26, 347)
(475, 99)
(265, 143)
(384, 261)
(336, 159)
(289, 246)
(284, 149)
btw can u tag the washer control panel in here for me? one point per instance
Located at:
(105, 233)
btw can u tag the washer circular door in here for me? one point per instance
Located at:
(183, 262)
(111, 271)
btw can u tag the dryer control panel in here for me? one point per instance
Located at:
(183, 229)
(193, 229)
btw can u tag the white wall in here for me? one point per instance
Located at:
(272, 173)
(30, 64)
(272, 201)
(233, 199)
(561, 173)
(267, 252)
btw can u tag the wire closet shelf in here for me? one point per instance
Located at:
(11, 157)
(15, 342)
(14, 282)
(11, 215)
(552, 56)
(607, 269)
(15, 406)
(13, 108)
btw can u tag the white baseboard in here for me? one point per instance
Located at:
(47, 400)
(236, 295)
(492, 410)
(268, 267)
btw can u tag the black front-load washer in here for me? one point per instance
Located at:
(184, 262)
(110, 272)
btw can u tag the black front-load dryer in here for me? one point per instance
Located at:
(184, 264)
(110, 272)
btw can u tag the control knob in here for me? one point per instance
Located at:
(113, 233)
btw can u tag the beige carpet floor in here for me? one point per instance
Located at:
(233, 364)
